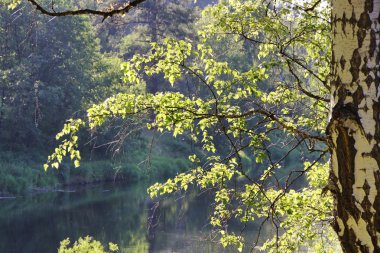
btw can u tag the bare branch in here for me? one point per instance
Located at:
(313, 7)
(105, 14)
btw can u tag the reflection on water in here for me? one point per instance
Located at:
(122, 214)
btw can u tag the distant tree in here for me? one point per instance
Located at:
(47, 66)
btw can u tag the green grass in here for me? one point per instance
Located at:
(21, 172)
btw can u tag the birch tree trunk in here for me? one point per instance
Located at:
(354, 128)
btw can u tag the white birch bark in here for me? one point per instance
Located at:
(354, 129)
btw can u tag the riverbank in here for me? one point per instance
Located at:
(17, 178)
(22, 173)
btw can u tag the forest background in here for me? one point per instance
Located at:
(53, 69)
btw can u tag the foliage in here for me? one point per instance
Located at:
(250, 89)
(86, 244)
(278, 96)
(11, 4)
(20, 172)
(46, 67)
(303, 215)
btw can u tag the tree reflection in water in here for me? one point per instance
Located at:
(122, 214)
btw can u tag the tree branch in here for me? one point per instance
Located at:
(301, 89)
(105, 14)
(299, 63)
(313, 7)
(281, 123)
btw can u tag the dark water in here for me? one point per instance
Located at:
(110, 213)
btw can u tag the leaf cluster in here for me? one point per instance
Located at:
(278, 98)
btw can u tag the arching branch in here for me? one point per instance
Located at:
(126, 7)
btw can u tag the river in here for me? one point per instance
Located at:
(118, 213)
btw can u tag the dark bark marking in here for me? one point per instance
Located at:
(372, 45)
(344, 22)
(361, 33)
(355, 65)
(376, 114)
(366, 205)
(369, 78)
(365, 21)
(349, 246)
(357, 96)
(363, 248)
(377, 198)
(346, 164)
(365, 70)
(366, 187)
(368, 6)
(342, 62)
(334, 22)
(353, 20)
(376, 224)
(375, 153)
(342, 94)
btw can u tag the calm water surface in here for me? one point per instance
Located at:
(118, 213)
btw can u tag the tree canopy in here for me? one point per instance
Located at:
(268, 104)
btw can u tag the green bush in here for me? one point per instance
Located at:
(85, 245)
